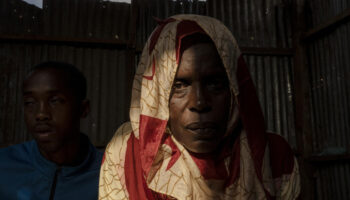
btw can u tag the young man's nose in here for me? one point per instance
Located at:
(43, 112)
(198, 99)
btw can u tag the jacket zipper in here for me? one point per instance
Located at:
(53, 185)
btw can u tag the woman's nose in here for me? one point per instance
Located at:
(198, 99)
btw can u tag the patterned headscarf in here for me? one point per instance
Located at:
(144, 161)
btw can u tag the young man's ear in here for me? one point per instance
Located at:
(85, 108)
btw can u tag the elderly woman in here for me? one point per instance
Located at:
(196, 130)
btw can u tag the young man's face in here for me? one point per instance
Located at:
(52, 112)
(200, 100)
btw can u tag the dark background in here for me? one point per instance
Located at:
(297, 52)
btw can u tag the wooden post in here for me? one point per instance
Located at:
(302, 101)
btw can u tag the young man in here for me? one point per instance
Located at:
(60, 163)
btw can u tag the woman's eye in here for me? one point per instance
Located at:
(216, 84)
(179, 85)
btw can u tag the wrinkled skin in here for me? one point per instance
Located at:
(52, 114)
(200, 99)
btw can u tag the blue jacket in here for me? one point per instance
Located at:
(26, 175)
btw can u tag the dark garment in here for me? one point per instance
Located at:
(26, 175)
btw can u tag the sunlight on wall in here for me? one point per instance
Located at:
(37, 3)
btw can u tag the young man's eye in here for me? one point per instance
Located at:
(29, 102)
(56, 100)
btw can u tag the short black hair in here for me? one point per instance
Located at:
(75, 77)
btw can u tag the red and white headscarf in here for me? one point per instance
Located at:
(144, 161)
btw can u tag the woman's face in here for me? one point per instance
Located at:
(200, 99)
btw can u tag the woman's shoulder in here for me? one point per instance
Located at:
(282, 157)
(117, 145)
(112, 173)
(122, 134)
(278, 143)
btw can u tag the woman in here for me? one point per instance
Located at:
(196, 130)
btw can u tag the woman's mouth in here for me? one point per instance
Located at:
(203, 130)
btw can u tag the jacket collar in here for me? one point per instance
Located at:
(91, 162)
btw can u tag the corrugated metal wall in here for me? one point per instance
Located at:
(333, 181)
(328, 61)
(89, 19)
(161, 9)
(329, 66)
(108, 69)
(322, 10)
(265, 24)
(274, 83)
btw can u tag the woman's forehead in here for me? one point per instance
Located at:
(201, 60)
